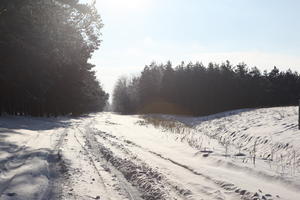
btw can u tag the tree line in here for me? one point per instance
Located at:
(44, 51)
(195, 89)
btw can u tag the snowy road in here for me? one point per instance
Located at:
(109, 156)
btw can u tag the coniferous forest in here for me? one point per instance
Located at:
(44, 51)
(195, 89)
(44, 71)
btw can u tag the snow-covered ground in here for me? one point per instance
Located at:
(243, 154)
(29, 156)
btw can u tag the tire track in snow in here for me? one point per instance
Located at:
(226, 186)
(22, 155)
(131, 192)
(183, 193)
(88, 154)
(56, 167)
(140, 176)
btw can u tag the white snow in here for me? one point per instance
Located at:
(26, 152)
(110, 156)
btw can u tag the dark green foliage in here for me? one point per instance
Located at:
(198, 90)
(44, 52)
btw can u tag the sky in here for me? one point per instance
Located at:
(262, 33)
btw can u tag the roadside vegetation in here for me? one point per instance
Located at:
(263, 137)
